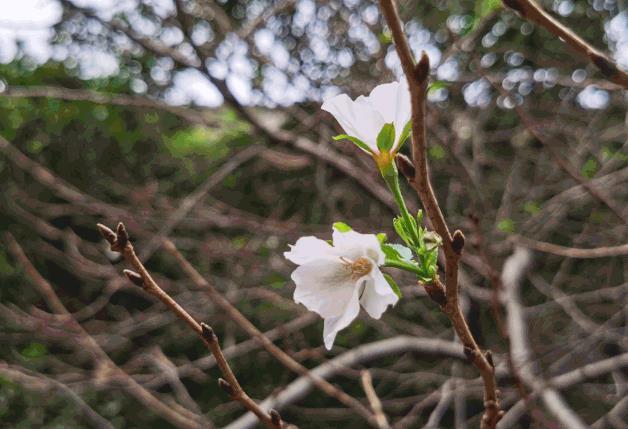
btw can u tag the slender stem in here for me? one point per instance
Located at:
(417, 76)
(406, 266)
(391, 177)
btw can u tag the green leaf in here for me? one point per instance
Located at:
(437, 152)
(359, 143)
(436, 85)
(386, 137)
(398, 224)
(393, 285)
(405, 133)
(35, 350)
(391, 253)
(342, 227)
(506, 225)
(485, 7)
(589, 168)
(381, 237)
(404, 253)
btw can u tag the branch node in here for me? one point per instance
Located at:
(135, 278)
(226, 387)
(436, 291)
(422, 69)
(107, 233)
(457, 241)
(275, 417)
(208, 333)
(469, 352)
(405, 165)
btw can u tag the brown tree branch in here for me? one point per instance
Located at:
(530, 10)
(178, 416)
(417, 76)
(120, 242)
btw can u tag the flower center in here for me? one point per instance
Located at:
(360, 267)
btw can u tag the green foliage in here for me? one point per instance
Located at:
(393, 285)
(359, 143)
(506, 225)
(589, 168)
(342, 227)
(386, 137)
(34, 350)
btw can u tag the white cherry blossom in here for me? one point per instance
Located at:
(364, 118)
(334, 280)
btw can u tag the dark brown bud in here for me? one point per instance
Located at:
(405, 165)
(208, 332)
(134, 277)
(226, 387)
(489, 358)
(123, 236)
(436, 291)
(607, 67)
(275, 417)
(106, 233)
(422, 69)
(457, 241)
(469, 353)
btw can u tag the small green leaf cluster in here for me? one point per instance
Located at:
(421, 254)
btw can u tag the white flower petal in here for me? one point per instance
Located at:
(334, 325)
(324, 286)
(357, 118)
(383, 98)
(307, 249)
(403, 111)
(341, 107)
(377, 295)
(353, 245)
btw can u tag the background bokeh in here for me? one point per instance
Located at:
(128, 110)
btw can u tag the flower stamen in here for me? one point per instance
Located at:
(360, 267)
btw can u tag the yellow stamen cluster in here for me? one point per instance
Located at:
(360, 267)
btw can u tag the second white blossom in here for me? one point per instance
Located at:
(335, 280)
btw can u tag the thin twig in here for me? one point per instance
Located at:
(374, 401)
(120, 242)
(530, 10)
(417, 76)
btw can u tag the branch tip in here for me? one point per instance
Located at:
(422, 69)
(457, 241)
(106, 233)
(123, 236)
(226, 387)
(208, 332)
(134, 277)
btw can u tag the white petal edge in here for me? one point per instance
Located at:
(377, 295)
(336, 324)
(352, 244)
(307, 249)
